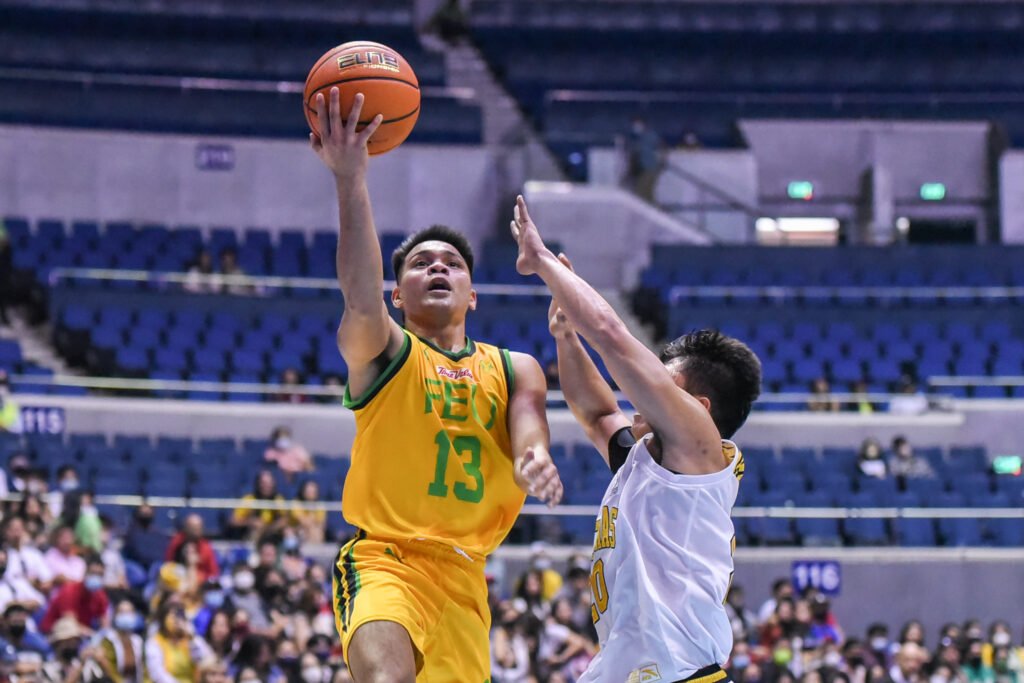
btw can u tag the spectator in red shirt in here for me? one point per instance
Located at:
(192, 530)
(85, 600)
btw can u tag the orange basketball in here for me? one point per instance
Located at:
(386, 80)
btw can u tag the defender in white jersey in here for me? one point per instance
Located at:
(664, 538)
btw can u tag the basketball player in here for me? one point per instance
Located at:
(663, 545)
(450, 436)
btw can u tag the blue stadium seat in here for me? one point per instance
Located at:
(220, 339)
(925, 489)
(204, 395)
(915, 532)
(247, 361)
(989, 392)
(134, 362)
(208, 360)
(960, 532)
(144, 337)
(1007, 533)
(866, 531)
(171, 360)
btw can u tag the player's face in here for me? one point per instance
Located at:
(434, 279)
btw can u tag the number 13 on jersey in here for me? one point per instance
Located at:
(462, 445)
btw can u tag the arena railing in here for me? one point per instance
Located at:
(925, 293)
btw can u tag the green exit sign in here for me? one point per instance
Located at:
(1007, 464)
(933, 192)
(800, 189)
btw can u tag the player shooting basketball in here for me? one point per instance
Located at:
(663, 549)
(450, 434)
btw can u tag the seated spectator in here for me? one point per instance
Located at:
(199, 279)
(247, 600)
(910, 401)
(256, 654)
(172, 654)
(66, 638)
(68, 481)
(910, 659)
(879, 646)
(219, 636)
(213, 670)
(823, 628)
(36, 517)
(26, 642)
(229, 267)
(912, 632)
(336, 383)
(561, 649)
(143, 542)
(290, 379)
(115, 576)
(84, 600)
(781, 588)
(290, 456)
(23, 557)
(18, 465)
(870, 462)
(742, 619)
(311, 525)
(192, 531)
(249, 522)
(17, 590)
(905, 464)
(861, 403)
(122, 656)
(312, 671)
(822, 401)
(541, 562)
(62, 560)
(81, 515)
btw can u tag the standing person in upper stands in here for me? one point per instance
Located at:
(450, 437)
(643, 159)
(664, 539)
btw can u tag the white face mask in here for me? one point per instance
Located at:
(244, 581)
(312, 674)
(283, 443)
(1001, 639)
(833, 659)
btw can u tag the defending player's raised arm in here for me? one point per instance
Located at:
(690, 441)
(534, 471)
(367, 331)
(589, 397)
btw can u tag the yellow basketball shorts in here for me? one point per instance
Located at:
(433, 590)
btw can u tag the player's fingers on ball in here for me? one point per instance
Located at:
(355, 113)
(371, 128)
(335, 114)
(321, 114)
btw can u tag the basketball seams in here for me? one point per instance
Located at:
(403, 117)
(327, 86)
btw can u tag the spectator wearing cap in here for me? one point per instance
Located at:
(66, 639)
(172, 654)
(25, 641)
(120, 647)
(84, 600)
(143, 542)
(192, 531)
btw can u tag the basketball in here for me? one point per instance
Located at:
(386, 80)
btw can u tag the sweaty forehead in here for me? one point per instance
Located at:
(432, 248)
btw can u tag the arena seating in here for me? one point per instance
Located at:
(223, 467)
(583, 71)
(95, 56)
(849, 334)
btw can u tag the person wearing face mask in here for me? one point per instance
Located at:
(974, 667)
(1007, 665)
(20, 637)
(540, 561)
(143, 542)
(312, 671)
(213, 599)
(739, 660)
(290, 456)
(879, 650)
(783, 661)
(998, 636)
(18, 465)
(121, 647)
(245, 598)
(68, 482)
(85, 600)
(192, 531)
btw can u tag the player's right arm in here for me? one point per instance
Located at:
(367, 335)
(589, 397)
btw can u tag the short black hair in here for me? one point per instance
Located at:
(723, 369)
(440, 233)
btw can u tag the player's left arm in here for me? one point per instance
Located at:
(689, 439)
(535, 473)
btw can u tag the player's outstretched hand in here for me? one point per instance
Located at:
(559, 325)
(531, 246)
(539, 477)
(339, 145)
